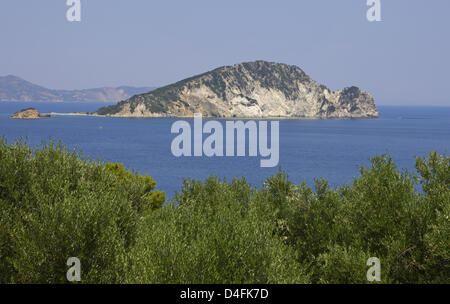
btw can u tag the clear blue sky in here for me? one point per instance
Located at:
(405, 59)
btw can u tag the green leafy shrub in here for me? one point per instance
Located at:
(213, 235)
(148, 198)
(345, 265)
(381, 214)
(55, 205)
(435, 180)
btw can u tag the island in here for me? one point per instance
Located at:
(248, 90)
(30, 113)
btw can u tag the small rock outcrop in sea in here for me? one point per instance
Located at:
(249, 90)
(30, 113)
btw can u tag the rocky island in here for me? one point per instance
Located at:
(30, 113)
(248, 90)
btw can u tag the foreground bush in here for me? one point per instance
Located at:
(381, 214)
(55, 205)
(216, 234)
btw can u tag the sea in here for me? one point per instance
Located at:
(308, 149)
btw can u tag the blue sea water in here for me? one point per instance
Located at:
(309, 149)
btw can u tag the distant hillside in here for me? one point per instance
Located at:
(13, 88)
(252, 89)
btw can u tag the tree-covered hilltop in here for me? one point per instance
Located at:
(251, 89)
(55, 205)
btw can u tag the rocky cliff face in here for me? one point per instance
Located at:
(248, 90)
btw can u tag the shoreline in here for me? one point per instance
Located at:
(210, 118)
(71, 114)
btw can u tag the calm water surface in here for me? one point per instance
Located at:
(308, 148)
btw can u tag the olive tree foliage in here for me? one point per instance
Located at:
(55, 204)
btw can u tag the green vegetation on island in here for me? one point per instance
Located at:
(261, 89)
(55, 204)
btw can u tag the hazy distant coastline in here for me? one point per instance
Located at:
(13, 88)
